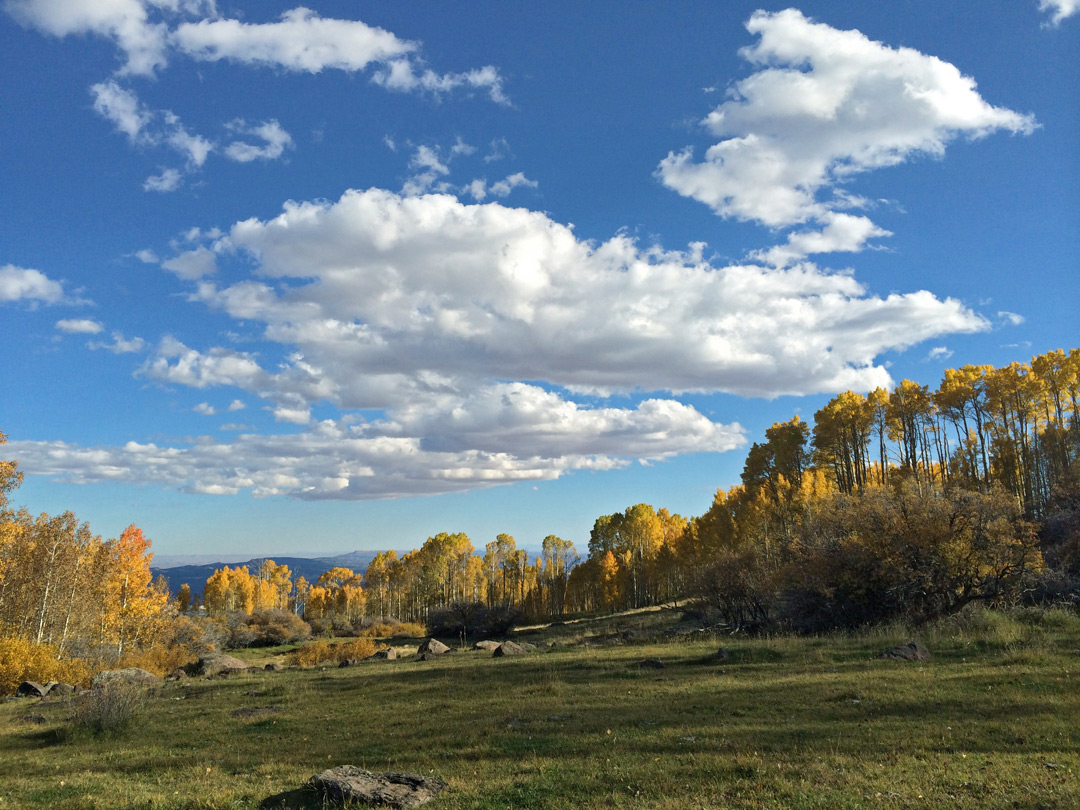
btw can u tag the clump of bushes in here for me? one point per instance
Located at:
(321, 651)
(474, 620)
(388, 627)
(368, 627)
(22, 660)
(269, 628)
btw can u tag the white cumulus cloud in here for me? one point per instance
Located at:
(300, 41)
(275, 140)
(119, 345)
(458, 342)
(1059, 9)
(127, 22)
(192, 264)
(79, 326)
(824, 106)
(168, 180)
(27, 284)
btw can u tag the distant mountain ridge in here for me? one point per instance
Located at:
(311, 568)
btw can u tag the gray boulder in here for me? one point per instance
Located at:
(508, 648)
(912, 651)
(432, 646)
(131, 675)
(488, 645)
(388, 654)
(217, 664)
(59, 690)
(349, 783)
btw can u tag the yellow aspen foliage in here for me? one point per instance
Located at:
(131, 607)
(609, 581)
(23, 660)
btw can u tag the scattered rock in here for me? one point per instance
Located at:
(59, 690)
(31, 689)
(388, 654)
(217, 664)
(486, 644)
(130, 675)
(350, 783)
(273, 667)
(508, 648)
(649, 663)
(432, 646)
(912, 651)
(33, 719)
(527, 646)
(177, 674)
(347, 662)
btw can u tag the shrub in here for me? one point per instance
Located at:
(22, 660)
(906, 553)
(738, 587)
(473, 619)
(269, 628)
(388, 627)
(321, 651)
(108, 709)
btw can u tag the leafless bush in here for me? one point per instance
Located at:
(108, 709)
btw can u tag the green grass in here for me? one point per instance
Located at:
(785, 722)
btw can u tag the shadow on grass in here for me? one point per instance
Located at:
(304, 798)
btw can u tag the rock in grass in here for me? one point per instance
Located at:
(31, 689)
(912, 651)
(508, 648)
(386, 654)
(130, 675)
(217, 664)
(350, 783)
(486, 644)
(432, 646)
(649, 663)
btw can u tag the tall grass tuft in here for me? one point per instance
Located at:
(108, 709)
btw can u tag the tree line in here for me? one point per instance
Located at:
(906, 502)
(910, 502)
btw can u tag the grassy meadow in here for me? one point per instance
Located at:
(993, 721)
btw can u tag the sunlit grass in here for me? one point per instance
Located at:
(782, 723)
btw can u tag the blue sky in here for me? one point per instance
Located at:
(277, 279)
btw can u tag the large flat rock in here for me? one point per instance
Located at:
(350, 783)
